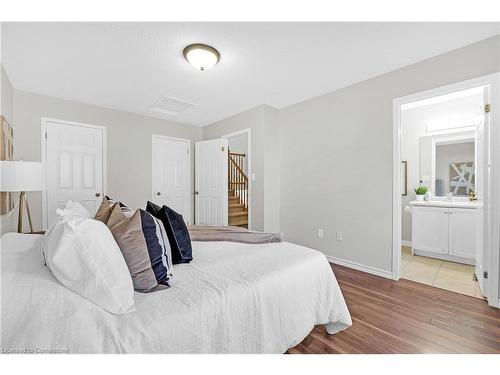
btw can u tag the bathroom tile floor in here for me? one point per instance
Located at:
(455, 277)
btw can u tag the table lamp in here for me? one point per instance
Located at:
(21, 176)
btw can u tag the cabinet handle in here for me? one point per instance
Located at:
(97, 195)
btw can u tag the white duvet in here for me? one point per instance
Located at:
(232, 298)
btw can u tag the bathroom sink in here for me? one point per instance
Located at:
(447, 203)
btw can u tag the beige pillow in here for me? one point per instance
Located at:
(116, 216)
(104, 211)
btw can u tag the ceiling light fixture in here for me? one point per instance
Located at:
(201, 56)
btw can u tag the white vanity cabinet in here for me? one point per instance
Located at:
(445, 232)
(462, 232)
(430, 229)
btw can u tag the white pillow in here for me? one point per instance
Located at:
(83, 255)
(76, 208)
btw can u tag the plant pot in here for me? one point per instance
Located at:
(420, 198)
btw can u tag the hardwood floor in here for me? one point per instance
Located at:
(406, 317)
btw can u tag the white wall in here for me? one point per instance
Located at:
(7, 222)
(6, 102)
(272, 170)
(336, 158)
(263, 122)
(239, 144)
(6, 109)
(128, 143)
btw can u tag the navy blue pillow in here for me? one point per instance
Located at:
(177, 232)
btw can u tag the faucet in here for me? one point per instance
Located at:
(449, 196)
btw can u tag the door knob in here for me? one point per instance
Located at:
(97, 195)
(158, 193)
(196, 192)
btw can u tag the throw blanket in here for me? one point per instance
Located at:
(231, 234)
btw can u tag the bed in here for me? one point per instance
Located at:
(232, 298)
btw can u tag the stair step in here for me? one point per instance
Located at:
(234, 205)
(238, 221)
(237, 209)
(237, 214)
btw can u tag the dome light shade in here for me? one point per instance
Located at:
(201, 56)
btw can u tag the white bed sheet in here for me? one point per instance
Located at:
(232, 298)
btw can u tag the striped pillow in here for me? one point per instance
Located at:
(145, 247)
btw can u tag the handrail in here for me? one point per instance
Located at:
(237, 179)
(239, 169)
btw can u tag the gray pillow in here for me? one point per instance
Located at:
(145, 247)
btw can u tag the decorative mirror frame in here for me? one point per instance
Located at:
(404, 178)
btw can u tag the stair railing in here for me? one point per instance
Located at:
(237, 179)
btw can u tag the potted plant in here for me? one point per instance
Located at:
(420, 192)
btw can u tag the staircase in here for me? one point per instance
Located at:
(237, 190)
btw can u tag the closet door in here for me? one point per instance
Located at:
(74, 167)
(211, 206)
(171, 174)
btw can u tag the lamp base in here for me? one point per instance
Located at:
(22, 200)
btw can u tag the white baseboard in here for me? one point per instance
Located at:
(406, 243)
(360, 267)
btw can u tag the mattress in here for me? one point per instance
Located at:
(232, 298)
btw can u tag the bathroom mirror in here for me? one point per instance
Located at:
(448, 163)
(454, 168)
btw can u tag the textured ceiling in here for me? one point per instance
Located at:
(129, 66)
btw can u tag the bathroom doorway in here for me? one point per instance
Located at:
(444, 231)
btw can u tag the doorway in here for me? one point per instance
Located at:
(239, 178)
(171, 174)
(74, 158)
(445, 144)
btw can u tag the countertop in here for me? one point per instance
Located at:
(446, 203)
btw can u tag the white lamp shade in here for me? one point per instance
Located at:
(21, 176)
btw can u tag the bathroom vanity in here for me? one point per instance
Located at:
(448, 230)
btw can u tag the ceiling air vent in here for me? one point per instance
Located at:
(170, 106)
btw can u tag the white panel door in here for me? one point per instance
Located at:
(74, 167)
(462, 237)
(430, 229)
(171, 170)
(211, 182)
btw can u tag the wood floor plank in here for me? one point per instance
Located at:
(406, 317)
